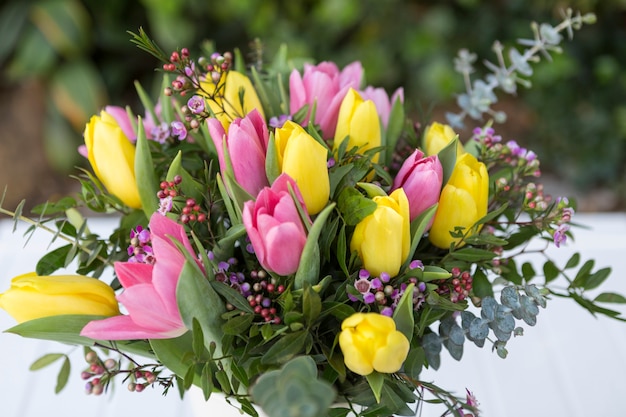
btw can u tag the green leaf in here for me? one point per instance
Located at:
(550, 271)
(473, 254)
(610, 297)
(144, 173)
(354, 206)
(232, 296)
(414, 362)
(45, 360)
(372, 190)
(583, 274)
(573, 261)
(238, 324)
(376, 381)
(481, 286)
(528, 271)
(403, 314)
(53, 260)
(285, 348)
(190, 186)
(447, 157)
(198, 300)
(309, 267)
(64, 375)
(395, 125)
(65, 329)
(175, 353)
(311, 304)
(418, 227)
(597, 278)
(206, 381)
(272, 169)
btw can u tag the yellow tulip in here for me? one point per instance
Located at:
(383, 238)
(437, 136)
(358, 122)
(305, 160)
(370, 342)
(228, 103)
(112, 158)
(31, 297)
(463, 201)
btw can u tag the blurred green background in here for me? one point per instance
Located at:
(63, 60)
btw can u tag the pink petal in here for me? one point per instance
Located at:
(148, 310)
(130, 273)
(285, 244)
(123, 328)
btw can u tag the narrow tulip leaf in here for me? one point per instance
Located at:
(418, 228)
(64, 328)
(144, 173)
(167, 115)
(261, 91)
(447, 157)
(376, 381)
(403, 314)
(272, 168)
(146, 101)
(198, 300)
(395, 126)
(372, 190)
(309, 267)
(233, 214)
(311, 304)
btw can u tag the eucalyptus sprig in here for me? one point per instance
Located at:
(479, 95)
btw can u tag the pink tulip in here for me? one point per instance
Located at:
(325, 86)
(275, 228)
(149, 293)
(246, 143)
(421, 178)
(382, 102)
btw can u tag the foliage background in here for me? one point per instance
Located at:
(62, 60)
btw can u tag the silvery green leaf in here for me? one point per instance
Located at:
(510, 298)
(529, 310)
(431, 343)
(478, 329)
(489, 306)
(455, 350)
(520, 63)
(549, 34)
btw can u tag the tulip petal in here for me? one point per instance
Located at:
(123, 328)
(389, 359)
(147, 309)
(285, 244)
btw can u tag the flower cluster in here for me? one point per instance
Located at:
(289, 221)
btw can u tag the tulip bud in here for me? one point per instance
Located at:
(305, 160)
(463, 201)
(383, 239)
(275, 228)
(112, 158)
(246, 143)
(358, 123)
(370, 342)
(323, 86)
(228, 103)
(437, 136)
(421, 179)
(31, 297)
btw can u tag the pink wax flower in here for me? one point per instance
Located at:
(421, 178)
(324, 85)
(149, 293)
(275, 228)
(246, 142)
(382, 101)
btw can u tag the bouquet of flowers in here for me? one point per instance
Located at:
(293, 240)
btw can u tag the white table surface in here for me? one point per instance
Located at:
(570, 364)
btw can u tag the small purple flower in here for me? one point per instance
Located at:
(384, 277)
(196, 104)
(178, 130)
(278, 122)
(369, 298)
(363, 285)
(416, 264)
(165, 205)
(387, 311)
(377, 284)
(560, 235)
(161, 132)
